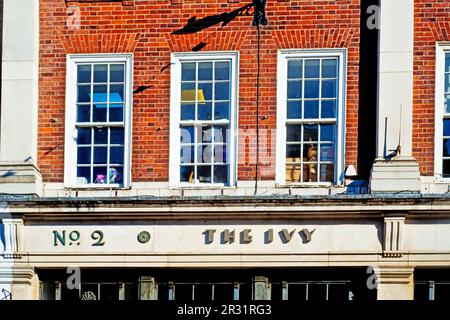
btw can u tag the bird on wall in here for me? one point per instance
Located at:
(260, 13)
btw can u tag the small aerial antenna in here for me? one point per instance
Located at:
(398, 150)
(400, 131)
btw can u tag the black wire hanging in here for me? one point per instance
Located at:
(259, 19)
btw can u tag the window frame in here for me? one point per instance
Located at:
(70, 156)
(442, 48)
(175, 115)
(282, 63)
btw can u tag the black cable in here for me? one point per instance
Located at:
(258, 78)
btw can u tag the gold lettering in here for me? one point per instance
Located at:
(287, 235)
(246, 236)
(228, 236)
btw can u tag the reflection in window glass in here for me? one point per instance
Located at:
(205, 121)
(100, 123)
(446, 120)
(312, 95)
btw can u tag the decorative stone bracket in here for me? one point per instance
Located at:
(13, 238)
(395, 282)
(393, 237)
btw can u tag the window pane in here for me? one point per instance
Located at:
(187, 111)
(83, 175)
(187, 173)
(220, 134)
(311, 109)
(117, 135)
(210, 89)
(329, 68)
(116, 112)
(204, 91)
(222, 71)
(293, 172)
(187, 155)
(84, 94)
(442, 292)
(117, 73)
(446, 148)
(116, 94)
(100, 135)
(220, 174)
(204, 154)
(329, 88)
(295, 69)
(447, 104)
(205, 71)
(188, 92)
(99, 113)
(312, 68)
(312, 89)
(100, 175)
(115, 175)
(293, 152)
(187, 134)
(84, 136)
(310, 172)
(328, 108)
(188, 71)
(100, 93)
(100, 155)
(116, 155)
(447, 62)
(310, 132)
(447, 83)
(446, 169)
(294, 109)
(206, 134)
(204, 111)
(100, 73)
(204, 174)
(84, 155)
(222, 91)
(447, 127)
(327, 172)
(327, 132)
(109, 292)
(294, 89)
(84, 74)
(83, 114)
(327, 152)
(293, 133)
(220, 154)
(221, 110)
(310, 152)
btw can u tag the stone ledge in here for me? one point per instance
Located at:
(398, 175)
(20, 178)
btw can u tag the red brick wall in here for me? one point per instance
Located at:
(145, 29)
(431, 25)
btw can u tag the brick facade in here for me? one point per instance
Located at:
(431, 25)
(146, 28)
